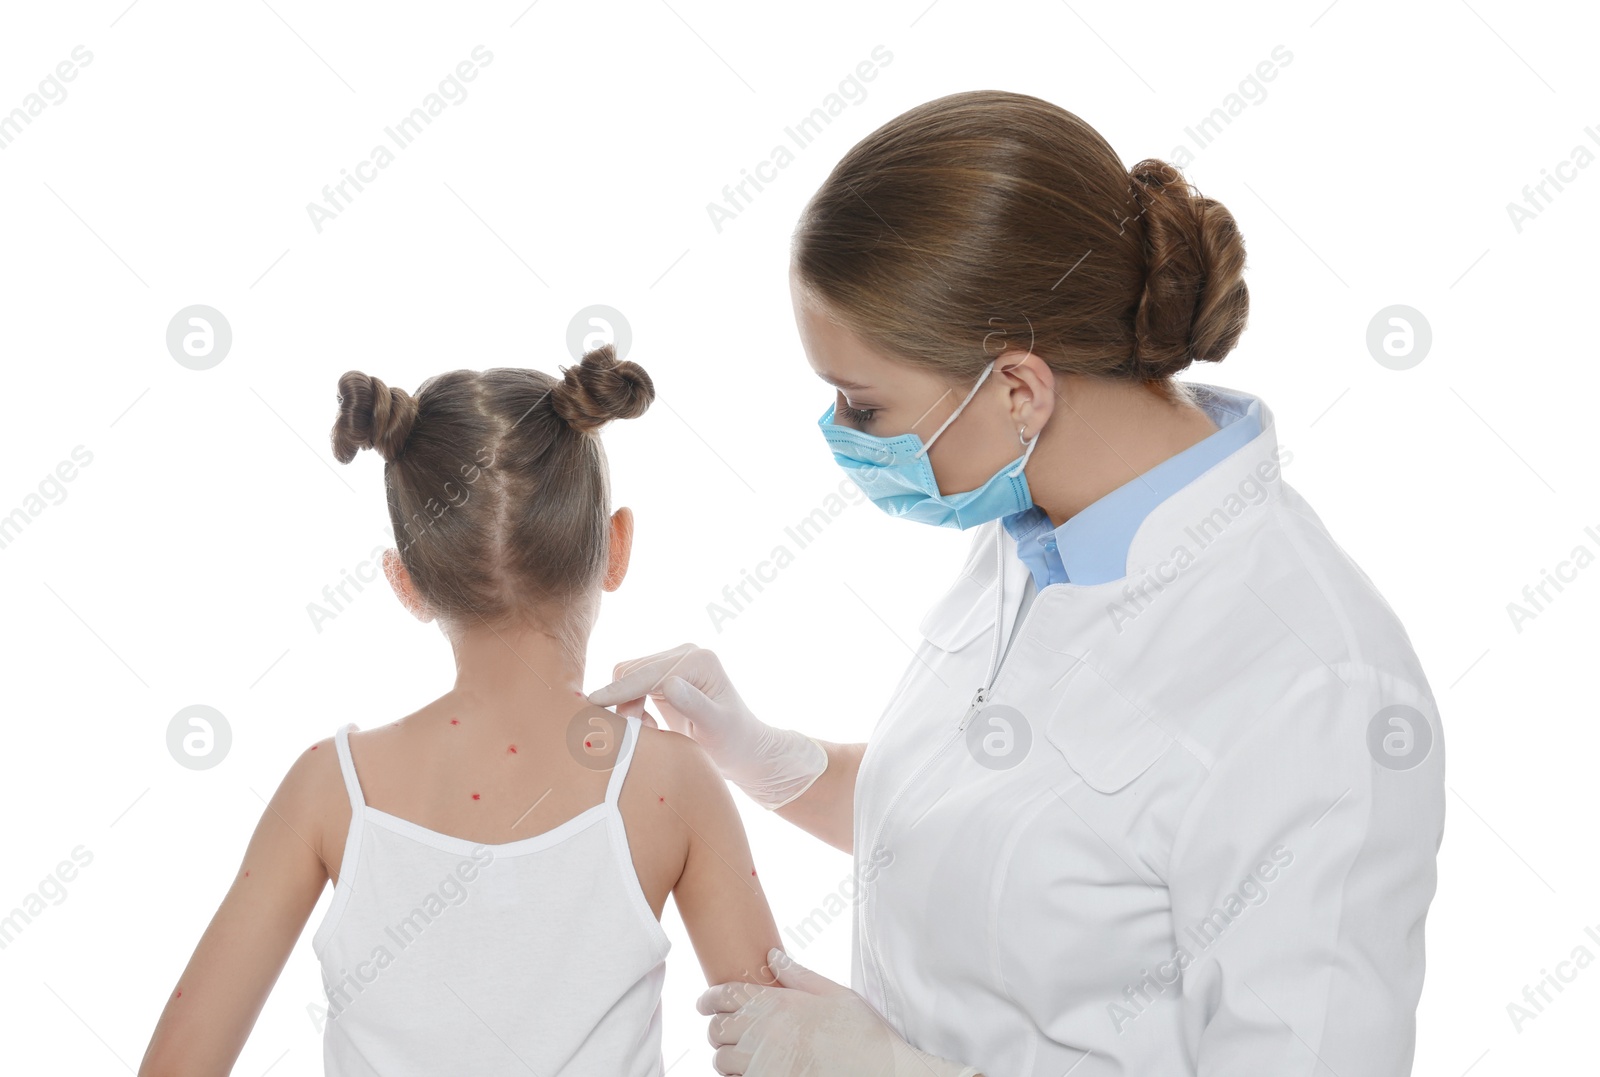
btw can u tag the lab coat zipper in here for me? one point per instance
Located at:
(978, 699)
(982, 695)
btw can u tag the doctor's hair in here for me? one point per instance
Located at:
(497, 484)
(986, 221)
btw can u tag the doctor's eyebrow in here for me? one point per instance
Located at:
(841, 384)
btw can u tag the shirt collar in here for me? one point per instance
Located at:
(1092, 546)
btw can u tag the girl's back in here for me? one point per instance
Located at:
(446, 953)
(500, 857)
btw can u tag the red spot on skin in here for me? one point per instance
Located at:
(455, 721)
(179, 994)
(247, 875)
(576, 692)
(752, 871)
(586, 744)
(475, 796)
(512, 748)
(662, 799)
(314, 747)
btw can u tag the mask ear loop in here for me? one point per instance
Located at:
(987, 370)
(1031, 442)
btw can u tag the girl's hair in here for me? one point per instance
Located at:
(496, 482)
(985, 221)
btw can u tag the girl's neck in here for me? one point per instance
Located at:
(514, 677)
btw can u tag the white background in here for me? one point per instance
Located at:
(178, 568)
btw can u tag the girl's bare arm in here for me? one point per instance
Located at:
(719, 893)
(214, 1004)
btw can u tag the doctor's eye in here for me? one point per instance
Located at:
(854, 415)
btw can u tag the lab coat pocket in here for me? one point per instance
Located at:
(1106, 740)
(964, 613)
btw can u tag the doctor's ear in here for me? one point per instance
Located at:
(1033, 387)
(404, 588)
(621, 548)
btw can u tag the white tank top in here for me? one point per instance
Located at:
(442, 955)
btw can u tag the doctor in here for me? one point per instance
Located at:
(1161, 791)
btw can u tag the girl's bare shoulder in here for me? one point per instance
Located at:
(671, 759)
(311, 800)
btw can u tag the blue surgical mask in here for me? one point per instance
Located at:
(896, 475)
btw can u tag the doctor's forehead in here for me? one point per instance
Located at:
(837, 355)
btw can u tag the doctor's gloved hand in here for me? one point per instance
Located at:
(687, 683)
(808, 1025)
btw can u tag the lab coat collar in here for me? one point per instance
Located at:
(1174, 539)
(1232, 496)
(1092, 546)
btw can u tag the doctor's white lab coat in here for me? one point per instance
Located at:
(1186, 822)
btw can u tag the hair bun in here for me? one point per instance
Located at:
(601, 388)
(371, 416)
(1195, 303)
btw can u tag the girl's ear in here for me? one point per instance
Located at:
(621, 548)
(404, 589)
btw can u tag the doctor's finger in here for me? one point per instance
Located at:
(728, 997)
(726, 1028)
(732, 1059)
(646, 677)
(666, 657)
(632, 708)
(639, 678)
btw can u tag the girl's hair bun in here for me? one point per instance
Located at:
(601, 388)
(1195, 303)
(371, 416)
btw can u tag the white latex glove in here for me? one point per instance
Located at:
(774, 766)
(808, 1025)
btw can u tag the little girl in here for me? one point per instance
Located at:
(500, 856)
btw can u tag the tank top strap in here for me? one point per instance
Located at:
(352, 784)
(619, 769)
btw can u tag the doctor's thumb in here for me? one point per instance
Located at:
(792, 974)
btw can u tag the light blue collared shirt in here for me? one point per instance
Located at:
(1092, 547)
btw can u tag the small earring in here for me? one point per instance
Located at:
(1031, 444)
